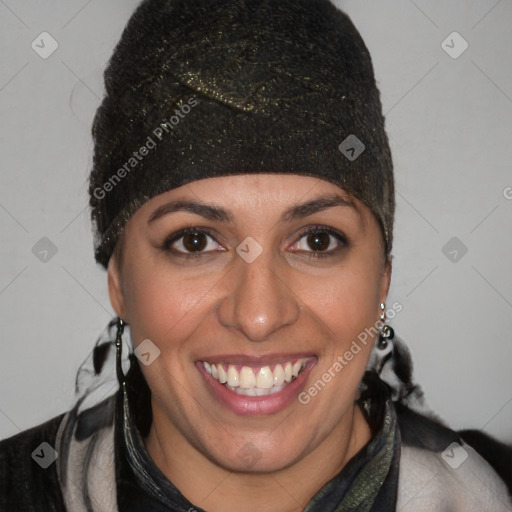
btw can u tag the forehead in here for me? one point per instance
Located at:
(279, 183)
(253, 192)
(260, 200)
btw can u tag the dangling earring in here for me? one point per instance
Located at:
(386, 332)
(119, 349)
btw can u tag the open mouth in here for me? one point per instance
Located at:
(256, 380)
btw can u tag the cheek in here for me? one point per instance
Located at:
(156, 302)
(347, 301)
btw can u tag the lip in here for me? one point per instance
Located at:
(256, 405)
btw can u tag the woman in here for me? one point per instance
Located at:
(242, 196)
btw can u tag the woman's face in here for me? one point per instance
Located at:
(250, 295)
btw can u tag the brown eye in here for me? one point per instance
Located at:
(191, 242)
(194, 242)
(319, 241)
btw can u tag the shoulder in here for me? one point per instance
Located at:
(439, 471)
(32, 462)
(28, 474)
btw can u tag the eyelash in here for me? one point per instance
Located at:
(170, 240)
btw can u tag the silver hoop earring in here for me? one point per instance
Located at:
(386, 333)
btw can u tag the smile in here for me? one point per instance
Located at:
(256, 381)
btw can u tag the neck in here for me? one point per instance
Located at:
(217, 489)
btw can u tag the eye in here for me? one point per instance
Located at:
(320, 242)
(194, 242)
(191, 242)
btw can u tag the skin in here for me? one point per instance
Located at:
(283, 302)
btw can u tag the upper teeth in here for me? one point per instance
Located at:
(248, 377)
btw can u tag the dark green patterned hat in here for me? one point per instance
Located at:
(203, 88)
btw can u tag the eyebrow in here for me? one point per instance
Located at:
(217, 213)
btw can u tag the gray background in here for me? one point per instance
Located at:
(449, 123)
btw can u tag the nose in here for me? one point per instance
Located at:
(259, 300)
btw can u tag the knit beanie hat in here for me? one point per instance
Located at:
(203, 88)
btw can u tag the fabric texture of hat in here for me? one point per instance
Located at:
(203, 88)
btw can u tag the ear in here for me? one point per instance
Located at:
(115, 289)
(385, 280)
